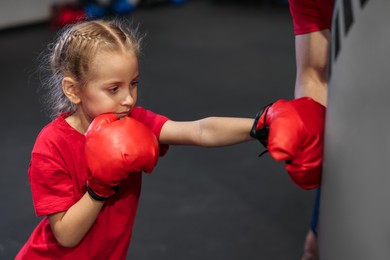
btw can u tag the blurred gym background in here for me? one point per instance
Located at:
(200, 58)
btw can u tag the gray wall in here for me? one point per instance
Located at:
(21, 12)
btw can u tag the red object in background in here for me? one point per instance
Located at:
(63, 14)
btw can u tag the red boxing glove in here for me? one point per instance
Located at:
(293, 131)
(114, 148)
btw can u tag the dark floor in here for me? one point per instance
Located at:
(201, 59)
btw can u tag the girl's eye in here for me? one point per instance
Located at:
(134, 84)
(113, 89)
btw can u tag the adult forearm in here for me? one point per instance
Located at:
(312, 87)
(312, 55)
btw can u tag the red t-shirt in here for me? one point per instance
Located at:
(311, 15)
(57, 175)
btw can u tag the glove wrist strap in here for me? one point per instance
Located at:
(262, 133)
(94, 195)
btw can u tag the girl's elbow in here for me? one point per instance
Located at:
(68, 244)
(67, 241)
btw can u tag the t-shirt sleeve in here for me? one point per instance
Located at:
(50, 181)
(152, 120)
(311, 15)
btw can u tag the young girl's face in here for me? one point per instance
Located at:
(111, 88)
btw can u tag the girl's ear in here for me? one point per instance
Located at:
(70, 88)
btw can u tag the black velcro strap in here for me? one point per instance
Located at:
(94, 195)
(262, 133)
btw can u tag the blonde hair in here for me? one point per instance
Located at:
(73, 52)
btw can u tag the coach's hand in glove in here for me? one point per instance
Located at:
(293, 131)
(115, 148)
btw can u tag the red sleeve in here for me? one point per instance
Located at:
(152, 120)
(311, 15)
(50, 181)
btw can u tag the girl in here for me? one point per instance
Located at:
(94, 67)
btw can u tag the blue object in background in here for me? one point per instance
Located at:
(94, 11)
(178, 2)
(122, 7)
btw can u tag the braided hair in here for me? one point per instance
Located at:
(74, 50)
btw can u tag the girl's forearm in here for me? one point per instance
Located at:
(71, 226)
(224, 131)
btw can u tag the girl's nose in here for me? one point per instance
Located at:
(128, 100)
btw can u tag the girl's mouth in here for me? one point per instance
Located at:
(123, 114)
